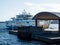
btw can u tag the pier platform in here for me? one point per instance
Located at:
(48, 39)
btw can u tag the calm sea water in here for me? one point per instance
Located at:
(8, 39)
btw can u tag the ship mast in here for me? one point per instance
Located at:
(24, 12)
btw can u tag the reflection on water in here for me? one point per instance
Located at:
(8, 39)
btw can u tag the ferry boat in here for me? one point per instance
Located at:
(51, 30)
(23, 19)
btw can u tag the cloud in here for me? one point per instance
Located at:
(52, 7)
(28, 4)
(46, 6)
(34, 8)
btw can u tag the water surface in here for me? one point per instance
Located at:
(8, 39)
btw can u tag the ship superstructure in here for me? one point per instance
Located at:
(24, 19)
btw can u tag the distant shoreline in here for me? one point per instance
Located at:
(2, 22)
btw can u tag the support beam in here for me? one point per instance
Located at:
(36, 22)
(59, 26)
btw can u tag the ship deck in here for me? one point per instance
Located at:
(49, 39)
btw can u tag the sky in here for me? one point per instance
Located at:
(11, 8)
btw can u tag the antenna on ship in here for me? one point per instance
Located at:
(29, 13)
(24, 12)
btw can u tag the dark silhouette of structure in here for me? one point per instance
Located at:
(46, 35)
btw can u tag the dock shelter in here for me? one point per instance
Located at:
(50, 21)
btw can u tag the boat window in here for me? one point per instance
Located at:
(48, 25)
